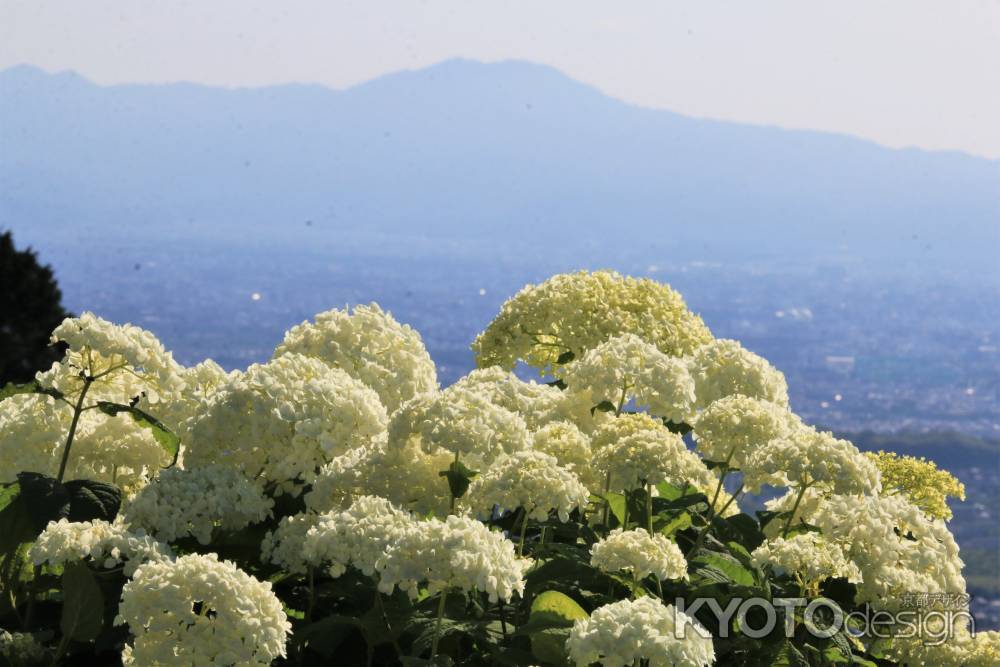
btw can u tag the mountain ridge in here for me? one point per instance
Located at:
(465, 149)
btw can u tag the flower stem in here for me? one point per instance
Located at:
(437, 625)
(795, 507)
(649, 528)
(524, 529)
(77, 410)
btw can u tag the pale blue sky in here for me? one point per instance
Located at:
(901, 72)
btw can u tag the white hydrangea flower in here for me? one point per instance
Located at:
(198, 610)
(357, 536)
(538, 404)
(808, 457)
(33, 430)
(108, 545)
(575, 312)
(626, 368)
(196, 501)
(724, 368)
(649, 457)
(640, 553)
(459, 421)
(137, 348)
(809, 555)
(116, 450)
(370, 345)
(410, 478)
(571, 447)
(341, 479)
(285, 545)
(627, 632)
(529, 479)
(456, 552)
(283, 420)
(960, 649)
(21, 648)
(201, 381)
(684, 470)
(897, 548)
(731, 428)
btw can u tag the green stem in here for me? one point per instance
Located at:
(388, 627)
(607, 503)
(77, 410)
(437, 625)
(451, 508)
(649, 527)
(524, 529)
(312, 594)
(503, 618)
(798, 499)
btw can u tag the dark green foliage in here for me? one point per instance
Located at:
(30, 308)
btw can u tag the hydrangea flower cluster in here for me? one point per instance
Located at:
(281, 421)
(627, 369)
(107, 545)
(571, 448)
(576, 312)
(529, 479)
(725, 368)
(732, 428)
(456, 552)
(194, 502)
(371, 346)
(461, 422)
(809, 556)
(202, 611)
(627, 632)
(640, 553)
(919, 480)
(807, 457)
(358, 536)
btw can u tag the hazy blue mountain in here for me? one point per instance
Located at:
(509, 152)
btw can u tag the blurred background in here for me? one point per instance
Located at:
(820, 182)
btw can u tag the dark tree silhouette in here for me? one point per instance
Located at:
(30, 308)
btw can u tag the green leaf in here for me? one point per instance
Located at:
(82, 617)
(714, 563)
(459, 478)
(789, 656)
(89, 500)
(565, 357)
(45, 499)
(858, 660)
(167, 440)
(16, 526)
(8, 492)
(552, 614)
(603, 406)
(33, 387)
(616, 502)
(668, 527)
(675, 427)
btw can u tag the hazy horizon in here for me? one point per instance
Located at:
(775, 63)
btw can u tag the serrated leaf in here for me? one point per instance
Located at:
(164, 436)
(459, 477)
(82, 617)
(733, 571)
(45, 499)
(89, 500)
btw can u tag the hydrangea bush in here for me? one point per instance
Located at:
(335, 506)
